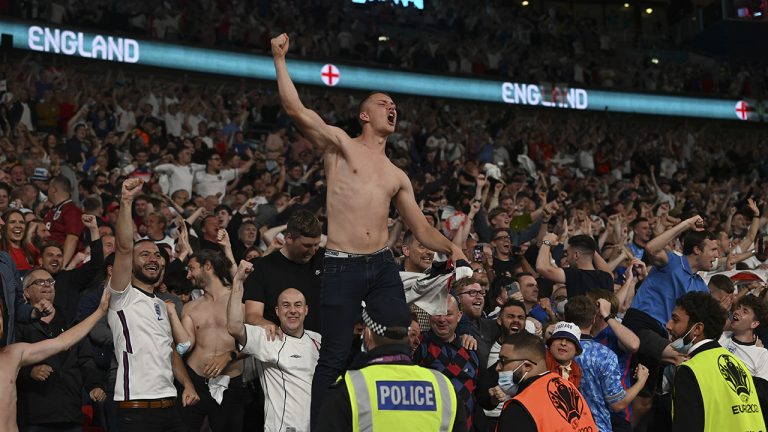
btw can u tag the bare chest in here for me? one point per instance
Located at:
(364, 177)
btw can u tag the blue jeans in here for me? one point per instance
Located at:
(346, 282)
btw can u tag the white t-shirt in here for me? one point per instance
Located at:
(755, 358)
(180, 177)
(143, 345)
(174, 123)
(210, 184)
(285, 370)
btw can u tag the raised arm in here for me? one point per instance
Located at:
(123, 268)
(309, 122)
(544, 264)
(746, 243)
(235, 324)
(37, 352)
(655, 247)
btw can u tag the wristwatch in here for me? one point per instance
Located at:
(546, 242)
(610, 316)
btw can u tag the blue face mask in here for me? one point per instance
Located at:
(507, 381)
(680, 345)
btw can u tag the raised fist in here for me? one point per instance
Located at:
(132, 188)
(243, 270)
(280, 46)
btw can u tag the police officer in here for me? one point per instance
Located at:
(713, 389)
(543, 401)
(389, 392)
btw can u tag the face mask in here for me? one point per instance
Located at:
(679, 344)
(507, 381)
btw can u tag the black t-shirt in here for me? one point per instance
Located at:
(578, 281)
(274, 273)
(510, 267)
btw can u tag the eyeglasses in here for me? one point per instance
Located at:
(501, 238)
(504, 361)
(473, 293)
(43, 282)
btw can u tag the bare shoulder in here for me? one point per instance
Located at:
(10, 357)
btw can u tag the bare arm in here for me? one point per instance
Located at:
(235, 325)
(70, 246)
(123, 268)
(544, 264)
(189, 395)
(183, 328)
(632, 392)
(746, 243)
(655, 247)
(37, 352)
(627, 339)
(311, 125)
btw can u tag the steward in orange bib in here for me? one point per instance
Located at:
(544, 401)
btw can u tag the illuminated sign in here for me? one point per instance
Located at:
(531, 94)
(69, 42)
(57, 41)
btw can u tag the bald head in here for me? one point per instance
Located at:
(291, 310)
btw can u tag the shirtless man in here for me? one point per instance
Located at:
(213, 360)
(15, 356)
(362, 183)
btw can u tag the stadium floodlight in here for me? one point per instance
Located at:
(649, 10)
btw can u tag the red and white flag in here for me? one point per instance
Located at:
(330, 75)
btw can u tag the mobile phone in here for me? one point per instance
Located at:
(513, 288)
(477, 254)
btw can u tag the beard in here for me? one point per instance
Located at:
(199, 282)
(138, 273)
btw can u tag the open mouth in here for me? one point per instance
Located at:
(152, 267)
(55, 264)
(427, 258)
(391, 117)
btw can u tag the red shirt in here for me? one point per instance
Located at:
(63, 220)
(20, 259)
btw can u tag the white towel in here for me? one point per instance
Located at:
(216, 387)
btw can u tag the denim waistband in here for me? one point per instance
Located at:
(331, 253)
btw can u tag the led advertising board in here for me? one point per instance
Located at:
(68, 42)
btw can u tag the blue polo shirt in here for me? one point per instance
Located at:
(664, 285)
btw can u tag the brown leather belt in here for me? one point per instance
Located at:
(158, 403)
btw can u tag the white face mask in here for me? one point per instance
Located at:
(679, 344)
(715, 263)
(507, 381)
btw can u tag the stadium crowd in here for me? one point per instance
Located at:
(501, 39)
(587, 236)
